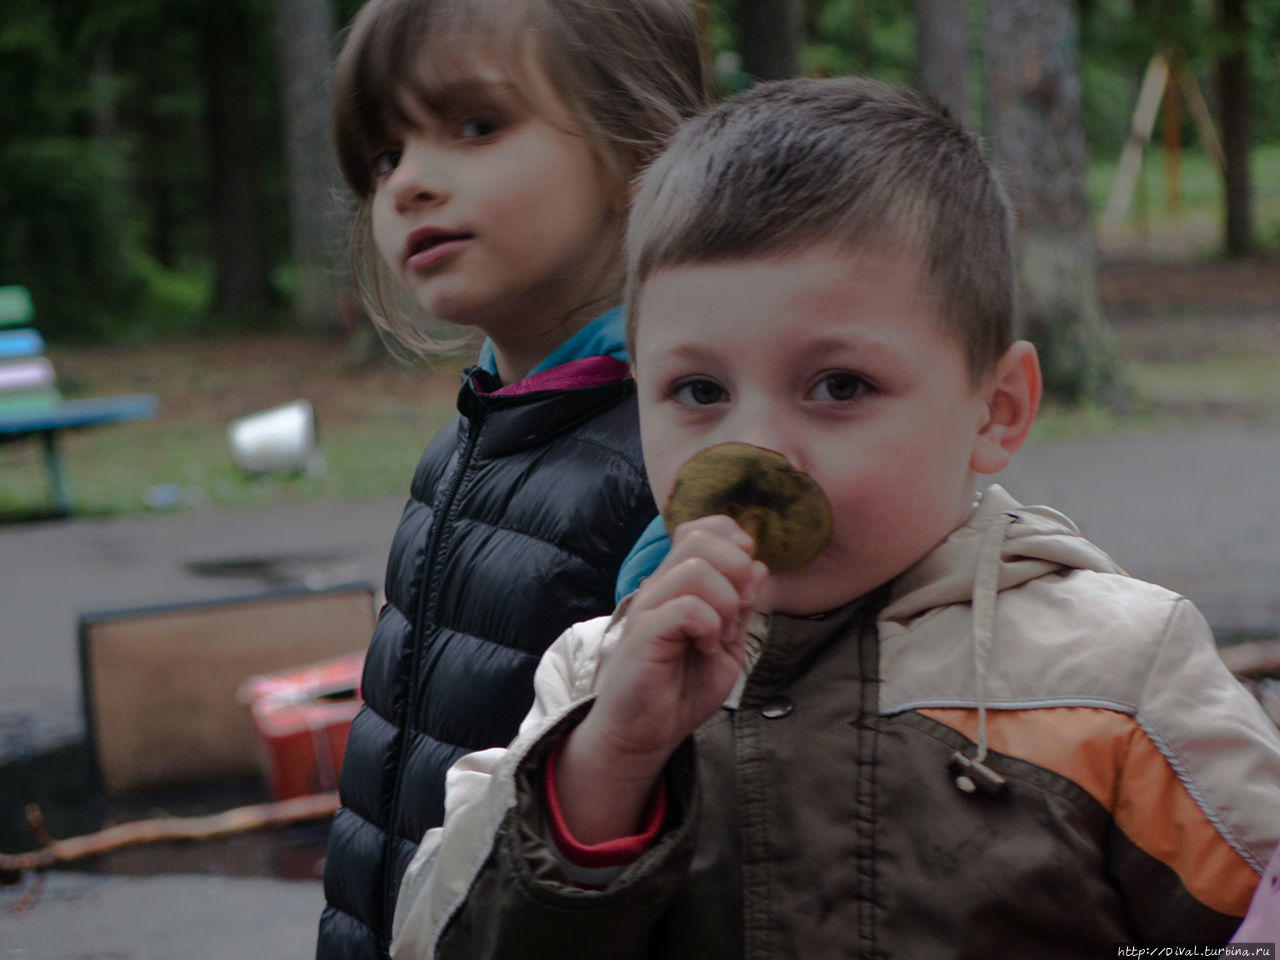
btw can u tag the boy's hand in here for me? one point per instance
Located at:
(682, 646)
(680, 654)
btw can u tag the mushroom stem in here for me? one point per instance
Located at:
(750, 522)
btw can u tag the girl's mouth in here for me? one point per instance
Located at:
(428, 246)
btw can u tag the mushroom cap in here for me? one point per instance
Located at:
(783, 509)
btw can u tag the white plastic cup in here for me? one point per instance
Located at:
(281, 438)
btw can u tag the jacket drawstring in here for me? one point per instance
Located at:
(972, 774)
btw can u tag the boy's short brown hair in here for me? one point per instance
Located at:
(847, 161)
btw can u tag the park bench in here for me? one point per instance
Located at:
(32, 405)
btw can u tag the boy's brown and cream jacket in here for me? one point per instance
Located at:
(820, 815)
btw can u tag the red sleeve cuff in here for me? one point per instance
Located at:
(611, 853)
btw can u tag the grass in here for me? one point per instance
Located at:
(1172, 393)
(1186, 366)
(1215, 383)
(1210, 361)
(1194, 228)
(1055, 421)
(373, 418)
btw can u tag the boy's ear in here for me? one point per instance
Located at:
(1012, 398)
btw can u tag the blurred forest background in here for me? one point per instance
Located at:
(166, 175)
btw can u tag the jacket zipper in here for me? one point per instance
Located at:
(425, 598)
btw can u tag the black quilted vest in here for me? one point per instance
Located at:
(522, 510)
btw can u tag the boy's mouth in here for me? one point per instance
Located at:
(427, 246)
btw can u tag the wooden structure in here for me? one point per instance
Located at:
(160, 683)
(1170, 80)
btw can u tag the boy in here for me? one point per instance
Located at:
(961, 731)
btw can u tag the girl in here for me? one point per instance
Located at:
(491, 145)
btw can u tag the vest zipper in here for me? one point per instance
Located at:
(427, 598)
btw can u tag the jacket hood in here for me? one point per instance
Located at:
(1037, 541)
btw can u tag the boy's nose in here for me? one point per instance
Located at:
(764, 428)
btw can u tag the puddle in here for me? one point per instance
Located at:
(272, 568)
(314, 570)
(60, 781)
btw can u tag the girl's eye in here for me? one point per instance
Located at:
(385, 162)
(477, 128)
(699, 393)
(840, 387)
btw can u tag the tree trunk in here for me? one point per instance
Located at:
(770, 35)
(106, 119)
(941, 54)
(860, 26)
(154, 183)
(1036, 129)
(1233, 108)
(157, 194)
(242, 273)
(304, 31)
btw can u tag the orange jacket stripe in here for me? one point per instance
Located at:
(1107, 754)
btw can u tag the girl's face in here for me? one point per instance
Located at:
(497, 216)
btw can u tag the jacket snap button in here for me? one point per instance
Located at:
(777, 708)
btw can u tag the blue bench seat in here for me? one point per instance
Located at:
(30, 403)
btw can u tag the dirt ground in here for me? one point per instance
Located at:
(1136, 289)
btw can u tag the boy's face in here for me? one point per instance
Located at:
(835, 359)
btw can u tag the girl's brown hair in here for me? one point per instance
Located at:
(628, 70)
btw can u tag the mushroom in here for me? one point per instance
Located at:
(783, 509)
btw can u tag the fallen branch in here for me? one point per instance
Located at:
(239, 820)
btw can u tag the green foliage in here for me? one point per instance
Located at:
(840, 43)
(64, 215)
(65, 232)
(843, 37)
(104, 169)
(1119, 37)
(105, 164)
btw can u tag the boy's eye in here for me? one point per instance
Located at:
(840, 387)
(385, 162)
(699, 393)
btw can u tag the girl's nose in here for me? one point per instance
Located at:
(418, 179)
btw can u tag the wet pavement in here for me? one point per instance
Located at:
(83, 915)
(1195, 508)
(57, 570)
(256, 896)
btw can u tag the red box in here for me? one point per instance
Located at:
(302, 717)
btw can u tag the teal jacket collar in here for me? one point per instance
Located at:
(605, 336)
